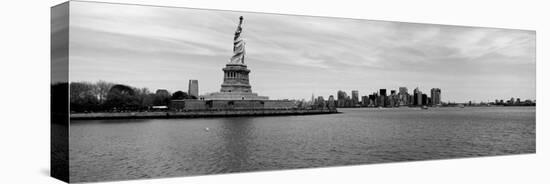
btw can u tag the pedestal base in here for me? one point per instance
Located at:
(233, 96)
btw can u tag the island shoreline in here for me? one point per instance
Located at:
(197, 114)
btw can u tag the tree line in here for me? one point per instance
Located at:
(105, 96)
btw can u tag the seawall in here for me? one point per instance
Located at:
(198, 114)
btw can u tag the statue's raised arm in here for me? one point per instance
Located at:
(238, 45)
(239, 28)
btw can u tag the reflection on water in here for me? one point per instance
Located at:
(236, 134)
(129, 149)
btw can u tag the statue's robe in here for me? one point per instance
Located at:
(238, 48)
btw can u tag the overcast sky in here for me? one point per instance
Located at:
(295, 56)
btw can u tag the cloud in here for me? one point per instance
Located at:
(148, 46)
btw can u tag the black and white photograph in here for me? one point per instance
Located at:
(155, 91)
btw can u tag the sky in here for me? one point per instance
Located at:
(293, 57)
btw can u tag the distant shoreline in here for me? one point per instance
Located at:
(418, 107)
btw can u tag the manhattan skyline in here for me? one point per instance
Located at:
(292, 57)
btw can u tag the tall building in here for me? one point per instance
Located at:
(436, 96)
(403, 96)
(342, 96)
(417, 96)
(403, 90)
(376, 99)
(383, 98)
(320, 102)
(193, 89)
(424, 99)
(331, 103)
(383, 92)
(355, 97)
(372, 100)
(365, 101)
(347, 102)
(392, 99)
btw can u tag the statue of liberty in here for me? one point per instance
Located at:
(238, 45)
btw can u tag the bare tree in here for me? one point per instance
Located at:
(101, 89)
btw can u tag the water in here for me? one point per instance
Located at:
(130, 149)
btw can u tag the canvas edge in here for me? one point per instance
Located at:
(59, 92)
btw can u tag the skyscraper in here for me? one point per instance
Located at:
(355, 97)
(193, 89)
(372, 100)
(331, 103)
(424, 99)
(383, 98)
(403, 96)
(436, 96)
(383, 92)
(417, 96)
(403, 90)
(347, 102)
(341, 95)
(320, 101)
(365, 101)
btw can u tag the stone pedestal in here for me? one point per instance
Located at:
(235, 86)
(236, 78)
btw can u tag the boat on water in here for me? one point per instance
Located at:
(424, 107)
